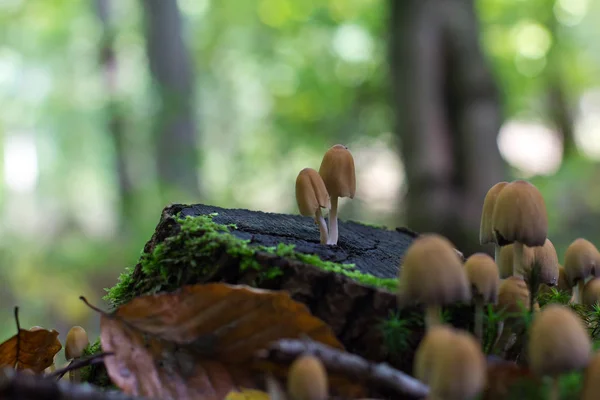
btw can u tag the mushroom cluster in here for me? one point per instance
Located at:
(314, 191)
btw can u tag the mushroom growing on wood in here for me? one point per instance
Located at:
(582, 260)
(337, 171)
(307, 379)
(311, 196)
(77, 341)
(558, 343)
(432, 274)
(520, 217)
(486, 233)
(482, 273)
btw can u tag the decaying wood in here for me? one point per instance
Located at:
(20, 386)
(381, 376)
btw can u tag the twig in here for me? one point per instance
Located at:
(18, 386)
(18, 349)
(378, 374)
(83, 362)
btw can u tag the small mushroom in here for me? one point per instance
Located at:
(307, 379)
(337, 171)
(77, 341)
(591, 379)
(520, 217)
(558, 343)
(591, 292)
(436, 338)
(311, 196)
(482, 273)
(486, 233)
(582, 260)
(562, 285)
(459, 369)
(432, 274)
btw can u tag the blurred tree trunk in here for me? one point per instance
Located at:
(447, 116)
(116, 117)
(174, 122)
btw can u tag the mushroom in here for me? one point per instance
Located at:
(307, 379)
(311, 196)
(337, 171)
(581, 261)
(434, 340)
(543, 270)
(558, 343)
(432, 274)
(452, 379)
(520, 217)
(482, 273)
(506, 259)
(513, 298)
(486, 233)
(77, 341)
(591, 379)
(591, 292)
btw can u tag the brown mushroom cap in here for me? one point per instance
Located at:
(77, 341)
(506, 259)
(486, 233)
(432, 273)
(307, 379)
(513, 295)
(337, 171)
(459, 369)
(520, 215)
(482, 273)
(558, 342)
(561, 285)
(435, 339)
(591, 292)
(546, 259)
(311, 194)
(591, 379)
(582, 259)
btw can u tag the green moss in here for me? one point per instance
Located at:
(190, 255)
(95, 374)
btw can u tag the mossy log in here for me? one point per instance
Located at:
(349, 286)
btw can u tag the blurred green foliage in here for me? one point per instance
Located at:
(278, 81)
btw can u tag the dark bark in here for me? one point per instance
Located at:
(174, 122)
(447, 116)
(116, 115)
(15, 386)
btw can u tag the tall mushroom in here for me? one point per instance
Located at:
(558, 343)
(337, 171)
(520, 217)
(482, 273)
(582, 260)
(307, 379)
(311, 196)
(432, 274)
(77, 341)
(486, 233)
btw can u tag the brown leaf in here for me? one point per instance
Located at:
(200, 341)
(503, 376)
(36, 350)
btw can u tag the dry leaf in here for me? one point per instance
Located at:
(248, 394)
(199, 342)
(34, 350)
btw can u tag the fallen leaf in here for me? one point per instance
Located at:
(199, 342)
(247, 394)
(33, 350)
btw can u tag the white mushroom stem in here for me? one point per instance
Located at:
(555, 389)
(578, 292)
(497, 253)
(518, 260)
(75, 375)
(320, 220)
(433, 316)
(333, 222)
